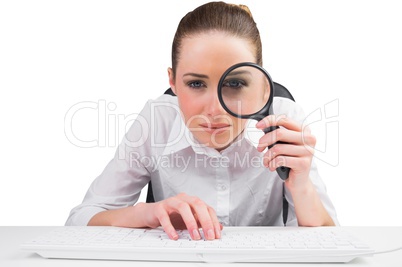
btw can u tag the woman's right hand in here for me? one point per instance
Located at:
(178, 212)
(183, 212)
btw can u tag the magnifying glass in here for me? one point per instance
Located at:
(246, 91)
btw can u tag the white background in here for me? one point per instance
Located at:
(345, 55)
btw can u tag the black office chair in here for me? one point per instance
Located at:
(280, 91)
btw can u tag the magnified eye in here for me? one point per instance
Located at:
(245, 89)
(234, 84)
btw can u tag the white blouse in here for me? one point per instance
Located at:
(160, 148)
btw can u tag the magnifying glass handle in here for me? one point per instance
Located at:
(282, 171)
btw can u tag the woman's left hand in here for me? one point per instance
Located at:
(296, 151)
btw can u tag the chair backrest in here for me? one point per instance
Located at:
(280, 91)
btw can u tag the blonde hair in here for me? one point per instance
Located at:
(230, 18)
(245, 8)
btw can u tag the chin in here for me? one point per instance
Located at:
(218, 143)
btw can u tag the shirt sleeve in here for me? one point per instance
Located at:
(284, 106)
(121, 182)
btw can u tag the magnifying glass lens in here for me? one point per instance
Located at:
(245, 90)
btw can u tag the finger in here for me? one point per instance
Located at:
(200, 209)
(286, 150)
(294, 163)
(205, 220)
(279, 135)
(217, 225)
(280, 161)
(286, 136)
(165, 222)
(279, 120)
(189, 220)
(179, 205)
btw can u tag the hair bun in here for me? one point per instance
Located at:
(245, 8)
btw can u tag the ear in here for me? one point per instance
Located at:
(172, 80)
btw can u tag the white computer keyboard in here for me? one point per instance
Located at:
(238, 244)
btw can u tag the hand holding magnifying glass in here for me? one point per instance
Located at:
(246, 91)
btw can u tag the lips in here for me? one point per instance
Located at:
(215, 127)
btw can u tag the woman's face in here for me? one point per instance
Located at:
(203, 59)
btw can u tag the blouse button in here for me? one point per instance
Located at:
(221, 187)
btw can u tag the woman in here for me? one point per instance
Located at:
(202, 162)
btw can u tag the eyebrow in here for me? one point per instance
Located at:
(196, 75)
(203, 76)
(239, 72)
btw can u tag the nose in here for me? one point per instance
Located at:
(213, 107)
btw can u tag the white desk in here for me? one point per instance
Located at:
(380, 238)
